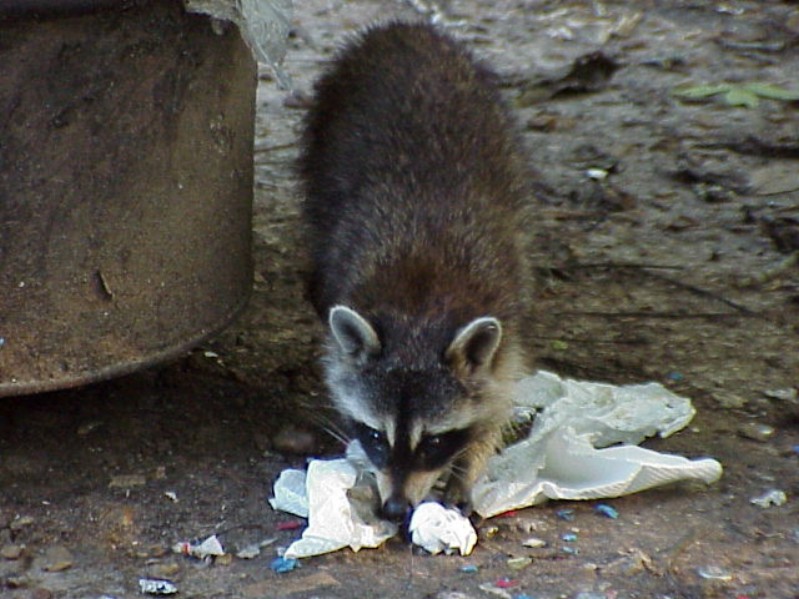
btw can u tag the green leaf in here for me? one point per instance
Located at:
(702, 91)
(746, 94)
(772, 92)
(740, 96)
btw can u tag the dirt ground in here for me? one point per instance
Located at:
(674, 260)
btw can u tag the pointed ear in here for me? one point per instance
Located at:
(352, 332)
(475, 344)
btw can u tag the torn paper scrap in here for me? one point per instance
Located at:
(436, 528)
(333, 521)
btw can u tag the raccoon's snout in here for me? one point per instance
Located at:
(396, 508)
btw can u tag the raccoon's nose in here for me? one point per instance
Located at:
(396, 508)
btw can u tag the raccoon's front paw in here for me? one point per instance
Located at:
(457, 495)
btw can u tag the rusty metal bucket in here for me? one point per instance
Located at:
(126, 135)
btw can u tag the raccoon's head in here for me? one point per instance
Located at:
(417, 401)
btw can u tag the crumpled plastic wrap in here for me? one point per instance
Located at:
(264, 25)
(566, 455)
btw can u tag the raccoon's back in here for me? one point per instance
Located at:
(412, 174)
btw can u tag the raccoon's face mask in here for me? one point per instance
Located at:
(413, 421)
(431, 452)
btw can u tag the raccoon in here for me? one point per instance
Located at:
(414, 189)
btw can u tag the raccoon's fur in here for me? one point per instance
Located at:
(414, 192)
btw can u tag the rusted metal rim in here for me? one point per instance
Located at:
(15, 388)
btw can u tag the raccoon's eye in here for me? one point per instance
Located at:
(434, 451)
(374, 443)
(433, 441)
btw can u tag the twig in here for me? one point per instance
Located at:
(587, 341)
(705, 293)
(621, 265)
(778, 193)
(661, 315)
(681, 284)
(751, 145)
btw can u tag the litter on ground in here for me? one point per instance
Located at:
(582, 445)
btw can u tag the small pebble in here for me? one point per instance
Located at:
(249, 552)
(730, 401)
(163, 569)
(603, 509)
(534, 542)
(17, 582)
(569, 537)
(570, 550)
(788, 394)
(522, 596)
(491, 589)
(756, 431)
(519, 563)
(773, 497)
(11, 552)
(224, 560)
(281, 565)
(57, 558)
(714, 573)
(469, 569)
(21, 522)
(294, 440)
(544, 122)
(565, 514)
(528, 525)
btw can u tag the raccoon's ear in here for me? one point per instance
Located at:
(353, 333)
(475, 344)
